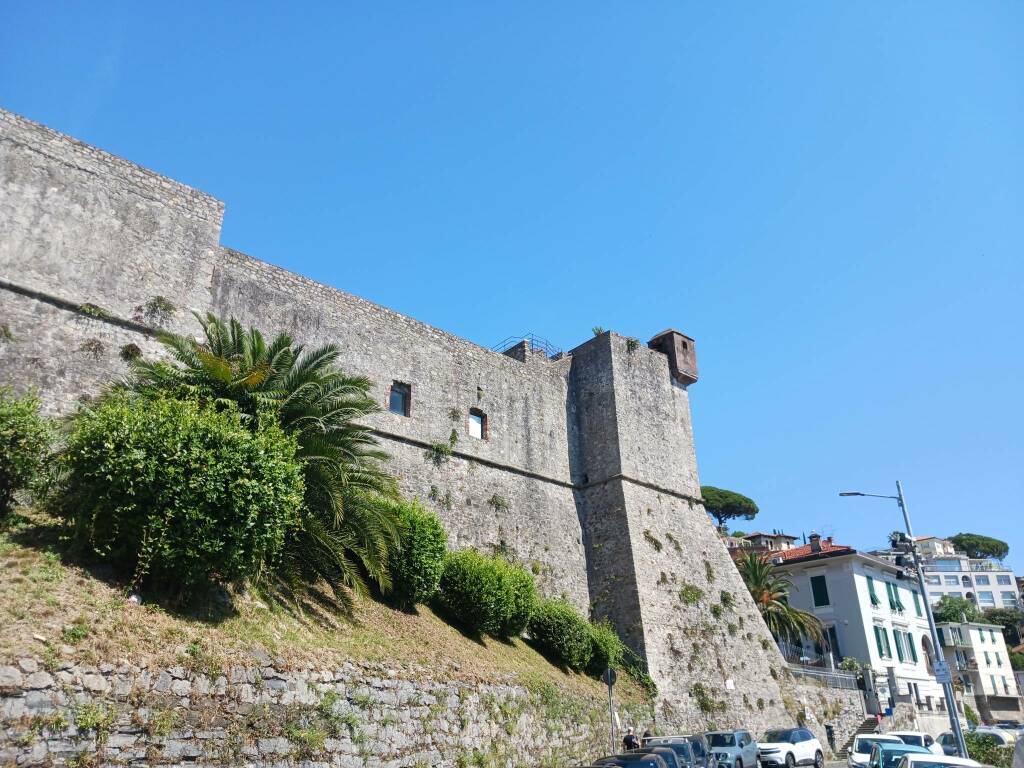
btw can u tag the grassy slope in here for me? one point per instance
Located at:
(44, 598)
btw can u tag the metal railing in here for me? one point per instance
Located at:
(536, 342)
(831, 678)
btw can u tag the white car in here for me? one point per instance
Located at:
(790, 747)
(860, 750)
(1004, 736)
(936, 761)
(918, 739)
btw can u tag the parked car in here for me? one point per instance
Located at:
(918, 739)
(860, 750)
(936, 761)
(735, 749)
(665, 753)
(790, 747)
(633, 760)
(702, 755)
(680, 745)
(886, 754)
(1004, 736)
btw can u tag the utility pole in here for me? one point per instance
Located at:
(941, 667)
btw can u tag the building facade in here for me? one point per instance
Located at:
(871, 611)
(987, 583)
(580, 465)
(980, 660)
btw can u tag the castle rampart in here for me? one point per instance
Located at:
(584, 466)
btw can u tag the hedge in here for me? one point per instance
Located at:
(176, 494)
(416, 566)
(24, 444)
(486, 594)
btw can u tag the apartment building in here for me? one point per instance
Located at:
(980, 660)
(872, 610)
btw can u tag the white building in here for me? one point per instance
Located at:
(770, 542)
(979, 658)
(872, 611)
(933, 546)
(987, 583)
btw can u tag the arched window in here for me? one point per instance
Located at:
(477, 424)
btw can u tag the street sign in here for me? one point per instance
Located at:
(942, 674)
(609, 677)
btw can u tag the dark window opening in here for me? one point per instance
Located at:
(820, 590)
(400, 398)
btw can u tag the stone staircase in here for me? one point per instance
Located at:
(870, 725)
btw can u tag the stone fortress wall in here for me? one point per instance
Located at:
(587, 473)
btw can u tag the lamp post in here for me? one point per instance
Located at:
(947, 683)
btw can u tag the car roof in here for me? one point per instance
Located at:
(905, 733)
(879, 736)
(901, 747)
(946, 759)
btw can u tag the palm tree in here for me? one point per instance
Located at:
(350, 521)
(770, 591)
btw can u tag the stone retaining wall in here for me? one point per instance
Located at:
(817, 706)
(64, 713)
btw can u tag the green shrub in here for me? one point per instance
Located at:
(561, 634)
(177, 494)
(24, 443)
(606, 648)
(416, 566)
(986, 750)
(971, 716)
(487, 594)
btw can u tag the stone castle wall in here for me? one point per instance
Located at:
(588, 473)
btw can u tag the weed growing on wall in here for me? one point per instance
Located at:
(690, 594)
(653, 540)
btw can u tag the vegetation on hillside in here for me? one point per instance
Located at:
(24, 443)
(770, 591)
(726, 505)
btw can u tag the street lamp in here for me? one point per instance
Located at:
(947, 681)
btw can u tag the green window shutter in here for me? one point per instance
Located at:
(820, 591)
(888, 645)
(878, 642)
(896, 597)
(913, 648)
(898, 639)
(871, 591)
(942, 636)
(917, 603)
(891, 592)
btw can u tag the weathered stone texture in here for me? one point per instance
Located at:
(263, 713)
(588, 460)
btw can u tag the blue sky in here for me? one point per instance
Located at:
(828, 196)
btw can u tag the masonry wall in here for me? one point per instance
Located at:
(262, 712)
(588, 472)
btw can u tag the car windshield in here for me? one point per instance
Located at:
(777, 735)
(863, 746)
(722, 739)
(914, 741)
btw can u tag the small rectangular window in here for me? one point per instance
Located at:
(986, 599)
(1009, 599)
(400, 398)
(820, 590)
(1003, 580)
(981, 581)
(952, 581)
(477, 424)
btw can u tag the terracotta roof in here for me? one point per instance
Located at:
(828, 549)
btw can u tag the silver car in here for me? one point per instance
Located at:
(735, 749)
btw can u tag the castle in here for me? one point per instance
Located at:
(580, 464)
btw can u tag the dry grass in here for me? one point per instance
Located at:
(49, 606)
